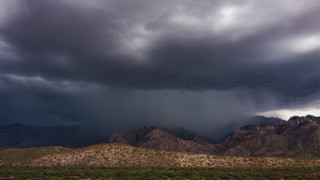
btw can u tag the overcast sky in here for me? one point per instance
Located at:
(190, 63)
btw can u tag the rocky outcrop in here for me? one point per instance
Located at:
(298, 137)
(156, 138)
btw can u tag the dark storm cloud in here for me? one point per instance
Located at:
(59, 52)
(44, 103)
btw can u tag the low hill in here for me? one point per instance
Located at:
(112, 155)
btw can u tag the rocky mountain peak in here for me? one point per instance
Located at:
(143, 131)
(161, 139)
(297, 137)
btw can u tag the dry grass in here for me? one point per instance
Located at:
(113, 155)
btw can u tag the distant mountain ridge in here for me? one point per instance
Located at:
(22, 136)
(297, 137)
(231, 127)
(264, 121)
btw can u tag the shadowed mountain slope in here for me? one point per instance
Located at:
(156, 138)
(298, 137)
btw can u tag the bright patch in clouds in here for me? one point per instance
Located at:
(227, 16)
(306, 44)
(293, 46)
(287, 113)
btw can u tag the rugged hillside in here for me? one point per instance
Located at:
(298, 137)
(156, 138)
(125, 155)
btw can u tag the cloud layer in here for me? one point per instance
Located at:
(60, 52)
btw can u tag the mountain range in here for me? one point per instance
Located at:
(297, 137)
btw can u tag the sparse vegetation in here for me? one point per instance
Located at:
(26, 155)
(115, 155)
(117, 161)
(81, 172)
